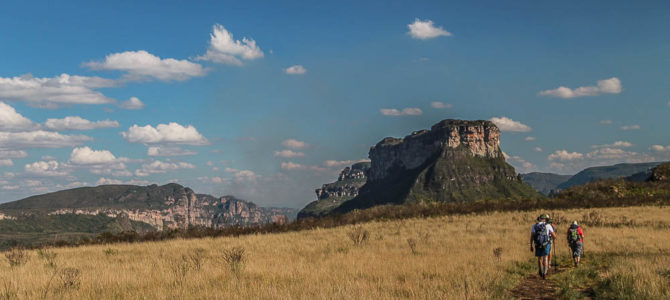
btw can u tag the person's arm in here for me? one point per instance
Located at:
(581, 233)
(531, 242)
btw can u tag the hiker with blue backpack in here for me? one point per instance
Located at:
(540, 234)
(576, 241)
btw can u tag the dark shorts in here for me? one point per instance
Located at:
(577, 249)
(539, 252)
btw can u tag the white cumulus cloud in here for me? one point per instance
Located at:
(408, 111)
(605, 86)
(77, 123)
(133, 103)
(52, 91)
(507, 124)
(141, 64)
(223, 48)
(288, 153)
(660, 148)
(86, 156)
(424, 30)
(10, 120)
(6, 163)
(172, 133)
(564, 155)
(295, 70)
(47, 168)
(40, 139)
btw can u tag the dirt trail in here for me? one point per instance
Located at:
(534, 287)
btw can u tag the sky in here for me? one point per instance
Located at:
(267, 100)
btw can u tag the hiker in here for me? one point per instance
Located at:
(551, 240)
(539, 235)
(576, 241)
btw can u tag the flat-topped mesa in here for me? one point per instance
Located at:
(481, 138)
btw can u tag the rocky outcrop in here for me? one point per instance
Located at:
(331, 195)
(661, 173)
(454, 161)
(164, 207)
(480, 138)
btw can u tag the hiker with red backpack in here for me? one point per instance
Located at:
(540, 234)
(576, 241)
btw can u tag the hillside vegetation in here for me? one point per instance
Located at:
(461, 256)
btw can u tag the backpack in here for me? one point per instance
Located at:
(541, 236)
(573, 235)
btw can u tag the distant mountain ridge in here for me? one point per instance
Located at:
(546, 183)
(163, 207)
(608, 172)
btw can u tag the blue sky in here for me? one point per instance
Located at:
(226, 116)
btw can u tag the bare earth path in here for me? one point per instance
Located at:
(534, 287)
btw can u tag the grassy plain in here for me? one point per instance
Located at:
(451, 257)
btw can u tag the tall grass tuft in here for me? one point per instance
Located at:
(235, 258)
(412, 246)
(358, 235)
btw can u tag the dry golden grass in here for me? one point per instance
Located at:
(453, 258)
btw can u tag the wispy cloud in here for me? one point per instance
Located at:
(605, 86)
(408, 111)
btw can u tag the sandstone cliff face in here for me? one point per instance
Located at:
(164, 207)
(481, 138)
(347, 184)
(454, 161)
(331, 195)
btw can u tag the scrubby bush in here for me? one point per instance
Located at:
(17, 257)
(235, 258)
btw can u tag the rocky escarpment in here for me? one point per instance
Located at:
(332, 195)
(454, 161)
(164, 207)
